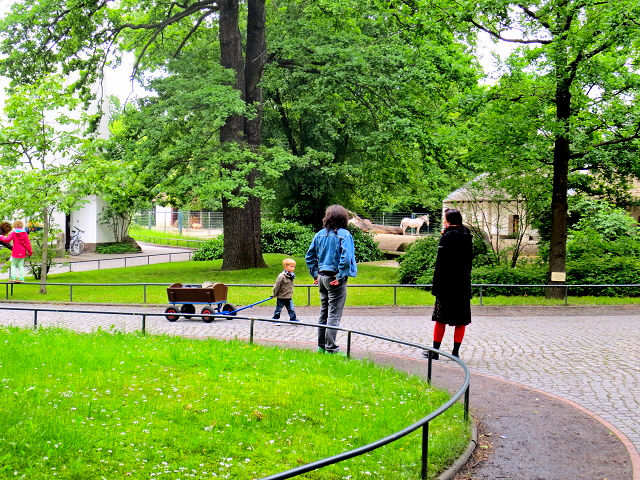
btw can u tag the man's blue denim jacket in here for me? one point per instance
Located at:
(332, 251)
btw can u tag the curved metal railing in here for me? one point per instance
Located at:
(422, 423)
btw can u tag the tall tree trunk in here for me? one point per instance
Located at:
(241, 228)
(559, 207)
(44, 260)
(254, 66)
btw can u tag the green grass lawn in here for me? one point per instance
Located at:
(198, 272)
(112, 405)
(165, 238)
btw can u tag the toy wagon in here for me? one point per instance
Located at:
(212, 295)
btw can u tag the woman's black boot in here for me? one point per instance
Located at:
(456, 349)
(433, 355)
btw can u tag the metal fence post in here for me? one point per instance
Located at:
(566, 295)
(480, 295)
(425, 452)
(395, 296)
(71, 292)
(308, 296)
(144, 324)
(35, 319)
(251, 331)
(466, 404)
(348, 344)
(144, 293)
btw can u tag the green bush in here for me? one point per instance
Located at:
(583, 243)
(120, 247)
(523, 274)
(366, 248)
(285, 237)
(604, 270)
(34, 262)
(416, 266)
(482, 255)
(588, 270)
(211, 250)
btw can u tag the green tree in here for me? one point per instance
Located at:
(362, 94)
(43, 156)
(569, 100)
(165, 148)
(79, 36)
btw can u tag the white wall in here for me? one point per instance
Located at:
(86, 219)
(163, 216)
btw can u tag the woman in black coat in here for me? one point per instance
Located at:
(452, 281)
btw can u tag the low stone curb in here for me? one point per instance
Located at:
(464, 458)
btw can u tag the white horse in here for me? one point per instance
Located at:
(414, 223)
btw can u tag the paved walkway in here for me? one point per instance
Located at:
(587, 355)
(150, 254)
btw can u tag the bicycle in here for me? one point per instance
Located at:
(76, 245)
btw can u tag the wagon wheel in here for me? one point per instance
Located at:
(228, 309)
(187, 310)
(207, 314)
(172, 318)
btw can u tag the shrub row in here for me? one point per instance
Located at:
(416, 267)
(115, 248)
(292, 239)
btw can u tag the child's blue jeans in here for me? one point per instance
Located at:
(17, 268)
(288, 303)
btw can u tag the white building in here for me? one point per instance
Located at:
(496, 215)
(86, 216)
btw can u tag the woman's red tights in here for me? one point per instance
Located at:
(439, 328)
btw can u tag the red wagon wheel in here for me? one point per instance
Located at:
(172, 318)
(207, 314)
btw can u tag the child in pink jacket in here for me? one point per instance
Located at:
(21, 249)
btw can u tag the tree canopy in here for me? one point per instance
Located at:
(569, 100)
(374, 104)
(362, 93)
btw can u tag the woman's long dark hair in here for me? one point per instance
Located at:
(335, 217)
(453, 216)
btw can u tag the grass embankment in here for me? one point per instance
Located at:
(167, 238)
(77, 406)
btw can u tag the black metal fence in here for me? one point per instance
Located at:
(177, 242)
(479, 289)
(212, 222)
(423, 423)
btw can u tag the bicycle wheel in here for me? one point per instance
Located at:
(76, 248)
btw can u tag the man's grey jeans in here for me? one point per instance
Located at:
(332, 299)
